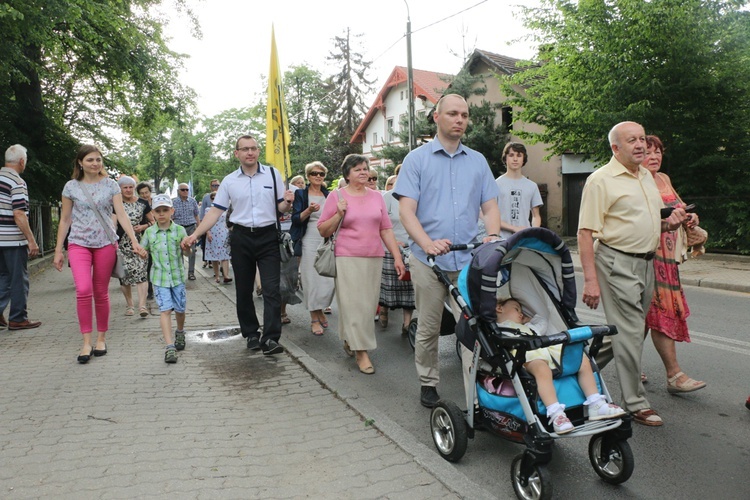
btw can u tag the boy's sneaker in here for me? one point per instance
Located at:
(179, 340)
(170, 356)
(602, 410)
(561, 423)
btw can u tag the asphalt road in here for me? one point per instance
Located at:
(702, 451)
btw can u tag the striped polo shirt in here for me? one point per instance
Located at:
(13, 196)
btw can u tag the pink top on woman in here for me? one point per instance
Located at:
(365, 217)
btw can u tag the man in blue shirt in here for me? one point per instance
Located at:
(441, 189)
(255, 206)
(186, 215)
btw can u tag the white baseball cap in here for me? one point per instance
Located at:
(161, 200)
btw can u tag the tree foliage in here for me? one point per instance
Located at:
(346, 89)
(679, 67)
(80, 70)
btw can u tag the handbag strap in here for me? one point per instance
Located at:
(97, 213)
(275, 203)
(336, 232)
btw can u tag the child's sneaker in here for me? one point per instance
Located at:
(179, 340)
(561, 423)
(170, 356)
(602, 410)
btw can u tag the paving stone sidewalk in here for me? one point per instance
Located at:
(224, 422)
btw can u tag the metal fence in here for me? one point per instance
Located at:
(43, 219)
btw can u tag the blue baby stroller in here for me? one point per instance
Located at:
(533, 266)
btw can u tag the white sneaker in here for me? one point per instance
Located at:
(561, 423)
(602, 410)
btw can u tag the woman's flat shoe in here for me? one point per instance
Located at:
(143, 312)
(383, 317)
(129, 311)
(648, 417)
(84, 358)
(227, 280)
(689, 385)
(347, 349)
(644, 378)
(324, 323)
(327, 310)
(367, 370)
(100, 352)
(285, 319)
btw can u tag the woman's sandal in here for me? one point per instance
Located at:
(644, 378)
(348, 349)
(368, 369)
(688, 385)
(129, 311)
(285, 319)
(315, 331)
(143, 312)
(324, 323)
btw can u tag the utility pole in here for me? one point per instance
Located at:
(410, 81)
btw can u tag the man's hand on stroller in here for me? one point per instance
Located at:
(591, 293)
(438, 247)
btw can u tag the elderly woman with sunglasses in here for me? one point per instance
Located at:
(307, 207)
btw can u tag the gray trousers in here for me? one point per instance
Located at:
(626, 285)
(14, 281)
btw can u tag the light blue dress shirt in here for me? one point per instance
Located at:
(449, 190)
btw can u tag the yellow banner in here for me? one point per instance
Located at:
(277, 123)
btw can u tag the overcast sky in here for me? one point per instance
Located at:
(226, 65)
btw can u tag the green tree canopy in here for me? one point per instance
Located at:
(678, 67)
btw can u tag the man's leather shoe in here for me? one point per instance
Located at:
(253, 343)
(3, 323)
(429, 396)
(23, 325)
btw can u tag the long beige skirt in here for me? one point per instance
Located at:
(357, 294)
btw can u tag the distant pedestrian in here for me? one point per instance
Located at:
(217, 246)
(144, 192)
(254, 241)
(91, 254)
(519, 198)
(205, 205)
(162, 242)
(186, 214)
(17, 242)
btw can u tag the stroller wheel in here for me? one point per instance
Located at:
(538, 485)
(612, 460)
(448, 427)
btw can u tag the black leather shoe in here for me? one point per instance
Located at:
(100, 352)
(253, 343)
(429, 396)
(272, 347)
(83, 359)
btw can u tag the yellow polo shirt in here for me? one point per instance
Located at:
(622, 209)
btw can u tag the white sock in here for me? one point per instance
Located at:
(593, 399)
(555, 408)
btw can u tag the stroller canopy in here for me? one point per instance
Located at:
(536, 249)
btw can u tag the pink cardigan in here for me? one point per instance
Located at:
(365, 217)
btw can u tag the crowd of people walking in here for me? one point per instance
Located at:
(630, 255)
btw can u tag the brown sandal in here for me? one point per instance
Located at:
(316, 331)
(648, 417)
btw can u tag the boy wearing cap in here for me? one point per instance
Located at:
(162, 241)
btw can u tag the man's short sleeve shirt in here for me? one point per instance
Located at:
(449, 191)
(13, 196)
(622, 209)
(252, 197)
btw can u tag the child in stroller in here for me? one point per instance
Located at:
(541, 362)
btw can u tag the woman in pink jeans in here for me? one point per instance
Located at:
(90, 251)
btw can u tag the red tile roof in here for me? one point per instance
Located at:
(427, 84)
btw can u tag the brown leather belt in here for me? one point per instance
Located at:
(644, 256)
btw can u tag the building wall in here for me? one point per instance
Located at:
(537, 169)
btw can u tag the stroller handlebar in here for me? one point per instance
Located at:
(540, 341)
(453, 248)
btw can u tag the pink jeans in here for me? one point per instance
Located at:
(92, 269)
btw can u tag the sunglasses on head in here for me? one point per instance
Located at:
(317, 174)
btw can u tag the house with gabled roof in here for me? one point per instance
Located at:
(380, 126)
(546, 173)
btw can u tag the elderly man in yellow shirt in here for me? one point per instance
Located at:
(619, 226)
